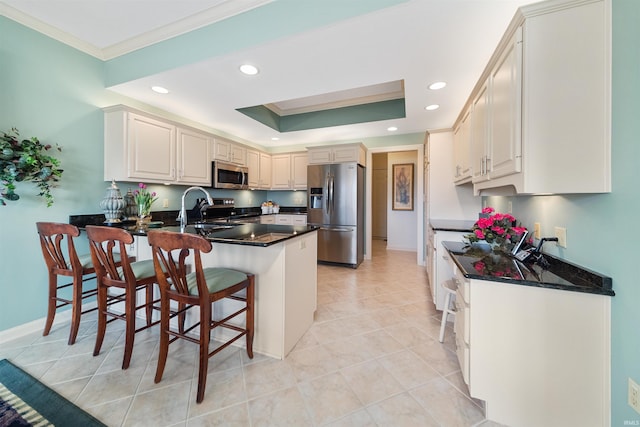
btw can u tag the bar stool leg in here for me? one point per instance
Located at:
(445, 313)
(51, 311)
(76, 307)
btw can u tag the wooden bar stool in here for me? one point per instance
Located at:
(106, 244)
(450, 288)
(54, 239)
(173, 254)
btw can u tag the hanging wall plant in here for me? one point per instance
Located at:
(26, 160)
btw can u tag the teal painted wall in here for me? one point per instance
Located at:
(50, 91)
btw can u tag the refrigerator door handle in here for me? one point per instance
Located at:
(339, 229)
(326, 199)
(332, 194)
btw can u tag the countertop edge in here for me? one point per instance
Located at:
(454, 252)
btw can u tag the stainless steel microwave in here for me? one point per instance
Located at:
(229, 176)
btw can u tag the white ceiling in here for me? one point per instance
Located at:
(418, 41)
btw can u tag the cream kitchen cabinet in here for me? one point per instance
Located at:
(138, 146)
(439, 270)
(503, 138)
(495, 135)
(553, 60)
(267, 219)
(479, 135)
(259, 165)
(289, 171)
(462, 149)
(194, 150)
(555, 342)
(338, 154)
(228, 151)
(296, 219)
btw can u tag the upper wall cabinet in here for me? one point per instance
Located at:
(338, 154)
(462, 149)
(227, 151)
(541, 110)
(495, 125)
(289, 171)
(138, 146)
(193, 148)
(259, 165)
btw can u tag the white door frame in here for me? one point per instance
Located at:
(419, 195)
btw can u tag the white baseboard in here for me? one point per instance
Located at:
(38, 325)
(400, 248)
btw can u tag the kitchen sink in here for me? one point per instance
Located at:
(212, 226)
(207, 229)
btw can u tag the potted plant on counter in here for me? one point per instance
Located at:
(26, 160)
(495, 229)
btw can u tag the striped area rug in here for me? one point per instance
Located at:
(25, 401)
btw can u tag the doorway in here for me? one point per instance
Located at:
(379, 174)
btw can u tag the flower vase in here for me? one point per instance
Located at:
(486, 246)
(144, 217)
(142, 222)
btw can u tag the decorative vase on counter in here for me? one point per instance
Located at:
(130, 209)
(486, 246)
(112, 204)
(142, 223)
(144, 217)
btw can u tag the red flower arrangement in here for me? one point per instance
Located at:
(496, 228)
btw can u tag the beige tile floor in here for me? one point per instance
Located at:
(372, 358)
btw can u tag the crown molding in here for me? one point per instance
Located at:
(49, 30)
(209, 16)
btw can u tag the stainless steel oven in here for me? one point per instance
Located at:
(230, 176)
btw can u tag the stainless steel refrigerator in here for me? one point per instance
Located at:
(335, 203)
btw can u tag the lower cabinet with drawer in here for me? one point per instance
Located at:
(536, 356)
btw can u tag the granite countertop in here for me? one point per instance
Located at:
(484, 264)
(451, 224)
(249, 234)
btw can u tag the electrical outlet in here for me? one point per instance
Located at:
(634, 395)
(510, 209)
(561, 234)
(536, 230)
(165, 203)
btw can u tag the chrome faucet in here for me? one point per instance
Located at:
(182, 217)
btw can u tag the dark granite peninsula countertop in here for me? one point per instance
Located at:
(451, 224)
(484, 264)
(249, 234)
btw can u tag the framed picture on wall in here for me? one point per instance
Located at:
(402, 187)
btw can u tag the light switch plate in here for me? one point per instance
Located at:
(536, 230)
(633, 396)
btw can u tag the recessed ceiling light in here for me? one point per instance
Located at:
(159, 89)
(432, 107)
(248, 69)
(437, 85)
(392, 129)
(275, 138)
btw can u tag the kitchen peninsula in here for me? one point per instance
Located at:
(284, 261)
(286, 278)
